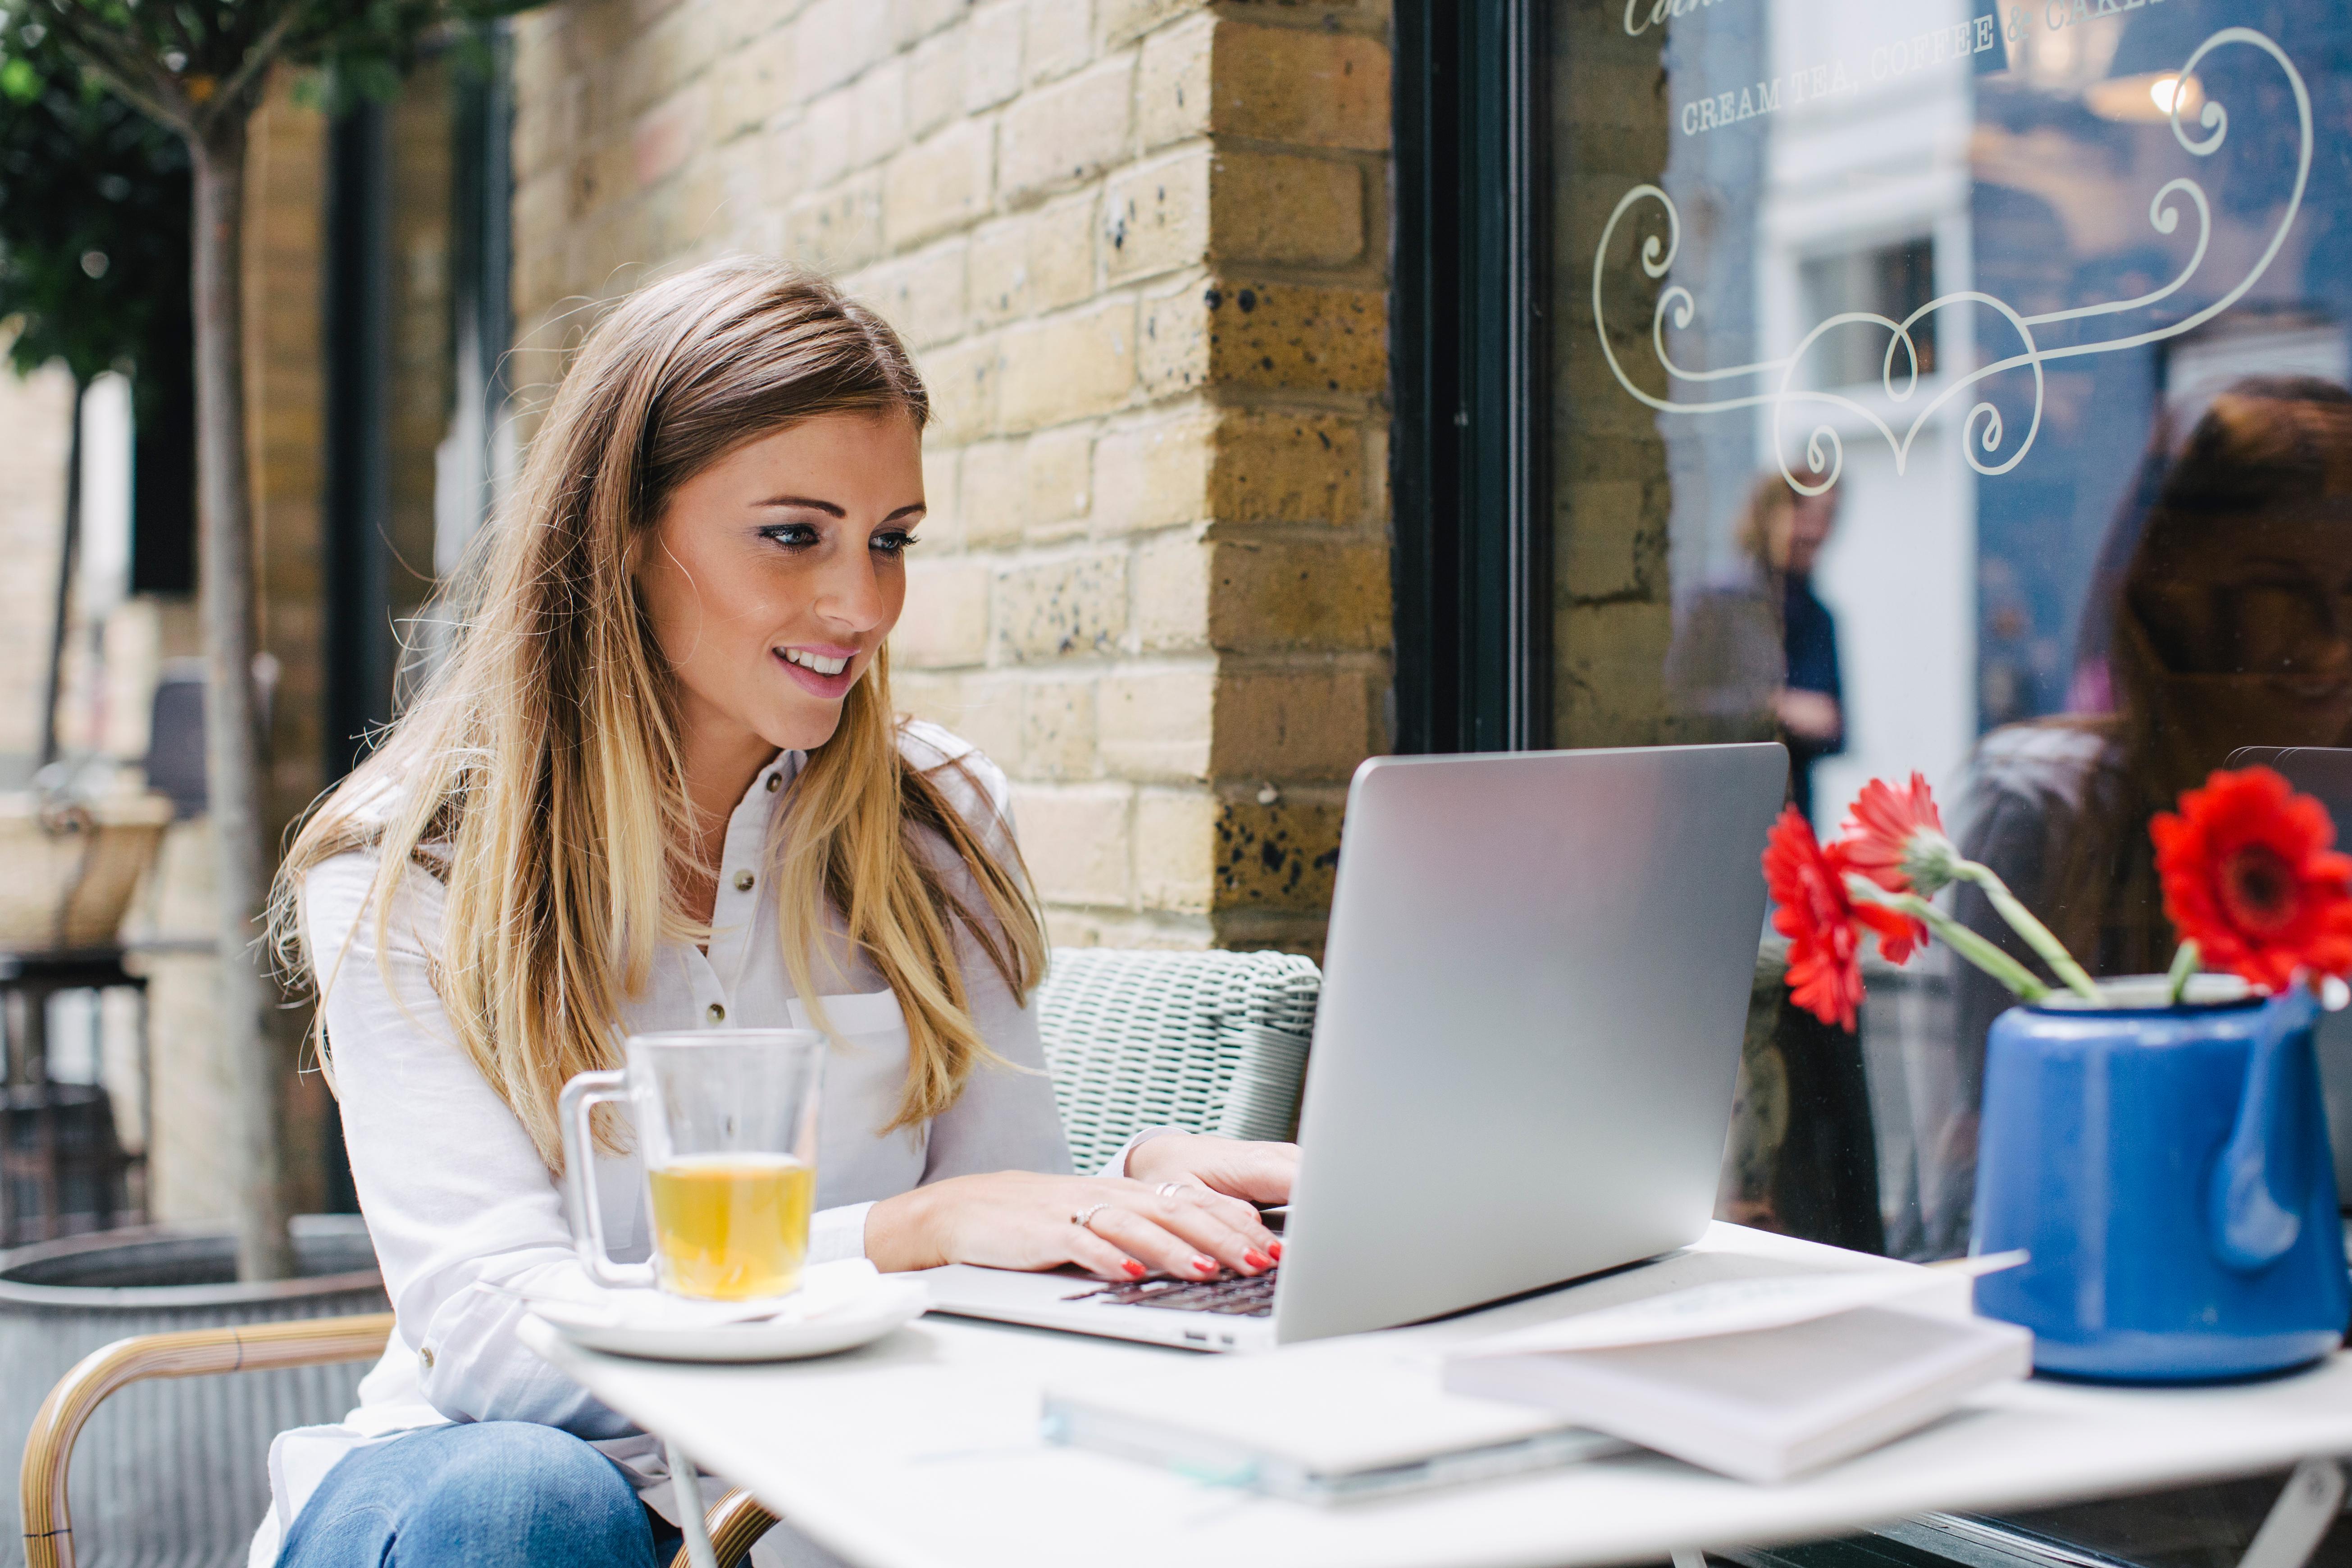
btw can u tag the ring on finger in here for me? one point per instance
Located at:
(1169, 1189)
(1085, 1218)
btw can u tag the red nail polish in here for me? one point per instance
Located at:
(1257, 1259)
(1275, 1248)
(1205, 1264)
(1134, 1269)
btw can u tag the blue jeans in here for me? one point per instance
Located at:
(488, 1492)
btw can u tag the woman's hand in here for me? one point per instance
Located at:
(1017, 1219)
(1261, 1173)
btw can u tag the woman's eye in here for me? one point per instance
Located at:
(893, 541)
(793, 535)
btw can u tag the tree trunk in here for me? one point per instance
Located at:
(232, 734)
(69, 551)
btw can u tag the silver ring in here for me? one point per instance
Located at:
(1083, 1218)
(1169, 1189)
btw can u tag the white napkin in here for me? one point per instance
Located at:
(839, 1290)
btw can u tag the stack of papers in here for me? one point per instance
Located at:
(1758, 1379)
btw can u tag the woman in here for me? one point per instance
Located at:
(658, 786)
(2231, 626)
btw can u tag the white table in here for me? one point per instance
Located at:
(922, 1451)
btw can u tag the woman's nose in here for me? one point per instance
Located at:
(851, 594)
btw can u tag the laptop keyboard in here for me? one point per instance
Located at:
(1232, 1295)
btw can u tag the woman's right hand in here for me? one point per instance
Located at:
(1019, 1219)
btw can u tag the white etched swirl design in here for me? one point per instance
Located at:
(1983, 429)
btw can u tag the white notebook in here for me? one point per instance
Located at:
(1760, 1380)
(1316, 1423)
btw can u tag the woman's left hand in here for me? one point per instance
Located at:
(1260, 1172)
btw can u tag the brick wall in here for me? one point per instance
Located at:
(1139, 247)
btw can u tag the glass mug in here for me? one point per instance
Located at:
(726, 1124)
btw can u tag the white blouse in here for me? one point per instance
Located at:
(463, 1212)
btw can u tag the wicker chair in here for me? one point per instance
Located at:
(1213, 1042)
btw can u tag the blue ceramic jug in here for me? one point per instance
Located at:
(2168, 1169)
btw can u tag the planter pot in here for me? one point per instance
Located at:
(2168, 1169)
(171, 1471)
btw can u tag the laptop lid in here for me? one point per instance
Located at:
(1534, 985)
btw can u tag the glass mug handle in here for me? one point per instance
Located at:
(581, 1095)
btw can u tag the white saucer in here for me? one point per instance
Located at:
(873, 1314)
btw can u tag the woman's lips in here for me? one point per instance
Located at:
(831, 688)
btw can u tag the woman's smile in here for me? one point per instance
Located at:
(822, 670)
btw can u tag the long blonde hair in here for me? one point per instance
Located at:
(538, 775)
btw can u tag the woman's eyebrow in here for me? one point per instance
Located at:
(830, 510)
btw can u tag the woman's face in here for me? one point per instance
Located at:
(774, 575)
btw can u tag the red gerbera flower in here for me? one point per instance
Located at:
(2249, 877)
(1883, 837)
(1823, 923)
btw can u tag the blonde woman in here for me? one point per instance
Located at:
(659, 787)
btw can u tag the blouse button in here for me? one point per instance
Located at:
(776, 783)
(714, 1013)
(425, 1354)
(742, 881)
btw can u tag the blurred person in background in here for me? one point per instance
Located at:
(2231, 626)
(1756, 657)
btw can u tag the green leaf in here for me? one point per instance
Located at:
(21, 80)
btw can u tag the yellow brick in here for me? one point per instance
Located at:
(1277, 855)
(1278, 595)
(1067, 132)
(1122, 21)
(1172, 91)
(839, 39)
(754, 83)
(1055, 469)
(660, 57)
(1175, 347)
(999, 279)
(937, 186)
(1172, 594)
(1272, 206)
(1075, 837)
(662, 140)
(990, 716)
(1288, 469)
(1068, 367)
(840, 230)
(1294, 337)
(1304, 85)
(879, 112)
(928, 695)
(921, 295)
(1057, 729)
(935, 82)
(945, 622)
(819, 143)
(1154, 475)
(1157, 217)
(991, 61)
(1175, 850)
(943, 530)
(1056, 39)
(962, 378)
(1292, 723)
(1062, 254)
(995, 493)
(1157, 723)
(1057, 609)
(921, 18)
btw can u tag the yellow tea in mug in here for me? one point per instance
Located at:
(733, 1227)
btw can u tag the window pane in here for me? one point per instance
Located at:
(1958, 387)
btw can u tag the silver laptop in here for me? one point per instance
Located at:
(1534, 985)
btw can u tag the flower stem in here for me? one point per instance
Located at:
(1961, 939)
(2184, 964)
(2037, 936)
